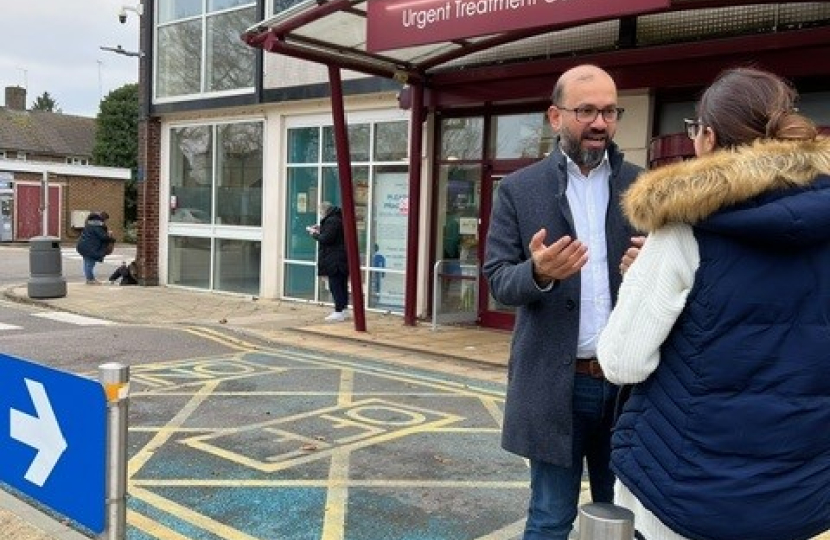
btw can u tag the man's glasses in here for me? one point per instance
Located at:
(693, 127)
(588, 114)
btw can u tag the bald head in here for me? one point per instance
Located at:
(585, 74)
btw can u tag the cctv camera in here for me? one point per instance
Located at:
(122, 16)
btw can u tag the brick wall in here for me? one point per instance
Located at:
(147, 256)
(85, 193)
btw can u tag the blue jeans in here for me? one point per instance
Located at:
(89, 268)
(554, 490)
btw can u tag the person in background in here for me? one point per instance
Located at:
(331, 258)
(723, 325)
(126, 274)
(556, 237)
(93, 244)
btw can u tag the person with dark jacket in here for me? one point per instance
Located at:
(93, 244)
(331, 258)
(556, 239)
(723, 325)
(126, 274)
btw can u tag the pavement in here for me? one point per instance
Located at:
(280, 321)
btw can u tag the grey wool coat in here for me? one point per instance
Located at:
(538, 410)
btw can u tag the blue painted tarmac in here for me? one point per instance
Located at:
(294, 444)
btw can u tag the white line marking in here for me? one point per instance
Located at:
(71, 318)
(4, 326)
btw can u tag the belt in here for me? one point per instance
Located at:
(590, 367)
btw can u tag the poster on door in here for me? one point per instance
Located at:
(390, 207)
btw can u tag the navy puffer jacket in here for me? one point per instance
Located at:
(729, 439)
(94, 238)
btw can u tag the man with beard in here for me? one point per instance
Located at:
(556, 242)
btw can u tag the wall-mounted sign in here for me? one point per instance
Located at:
(394, 24)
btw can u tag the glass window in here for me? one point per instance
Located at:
(282, 5)
(304, 145)
(358, 143)
(215, 179)
(462, 138)
(230, 61)
(302, 212)
(191, 174)
(458, 210)
(459, 193)
(189, 262)
(179, 58)
(381, 208)
(391, 141)
(331, 186)
(218, 5)
(300, 280)
(171, 10)
(236, 266)
(198, 52)
(239, 174)
(520, 136)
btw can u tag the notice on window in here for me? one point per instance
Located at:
(391, 214)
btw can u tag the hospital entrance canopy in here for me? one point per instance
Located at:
(451, 47)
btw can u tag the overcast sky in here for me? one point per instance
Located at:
(53, 46)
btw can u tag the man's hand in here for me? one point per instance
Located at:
(631, 253)
(560, 260)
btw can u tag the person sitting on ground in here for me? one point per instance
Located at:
(127, 274)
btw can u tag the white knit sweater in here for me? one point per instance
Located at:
(652, 295)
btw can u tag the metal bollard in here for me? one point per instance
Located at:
(115, 379)
(605, 521)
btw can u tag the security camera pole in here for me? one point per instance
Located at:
(122, 15)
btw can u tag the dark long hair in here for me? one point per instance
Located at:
(745, 104)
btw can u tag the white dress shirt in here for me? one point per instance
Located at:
(588, 198)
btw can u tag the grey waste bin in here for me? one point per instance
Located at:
(605, 521)
(46, 268)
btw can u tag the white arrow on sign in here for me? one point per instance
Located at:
(41, 432)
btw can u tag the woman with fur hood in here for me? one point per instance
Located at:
(723, 327)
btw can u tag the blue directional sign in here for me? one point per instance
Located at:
(53, 432)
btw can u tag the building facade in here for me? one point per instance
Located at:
(45, 152)
(239, 143)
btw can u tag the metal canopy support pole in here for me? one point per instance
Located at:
(413, 224)
(344, 170)
(115, 379)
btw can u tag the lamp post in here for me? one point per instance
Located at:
(119, 50)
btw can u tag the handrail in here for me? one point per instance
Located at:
(438, 275)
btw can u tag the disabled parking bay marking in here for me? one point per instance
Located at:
(291, 444)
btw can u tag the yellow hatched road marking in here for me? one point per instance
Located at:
(219, 337)
(153, 528)
(143, 456)
(337, 492)
(186, 514)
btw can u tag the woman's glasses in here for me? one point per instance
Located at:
(693, 128)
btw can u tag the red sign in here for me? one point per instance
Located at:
(394, 24)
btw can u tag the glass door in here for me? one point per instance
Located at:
(491, 313)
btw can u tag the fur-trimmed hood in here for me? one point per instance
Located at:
(749, 179)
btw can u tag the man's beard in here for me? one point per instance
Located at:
(571, 146)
